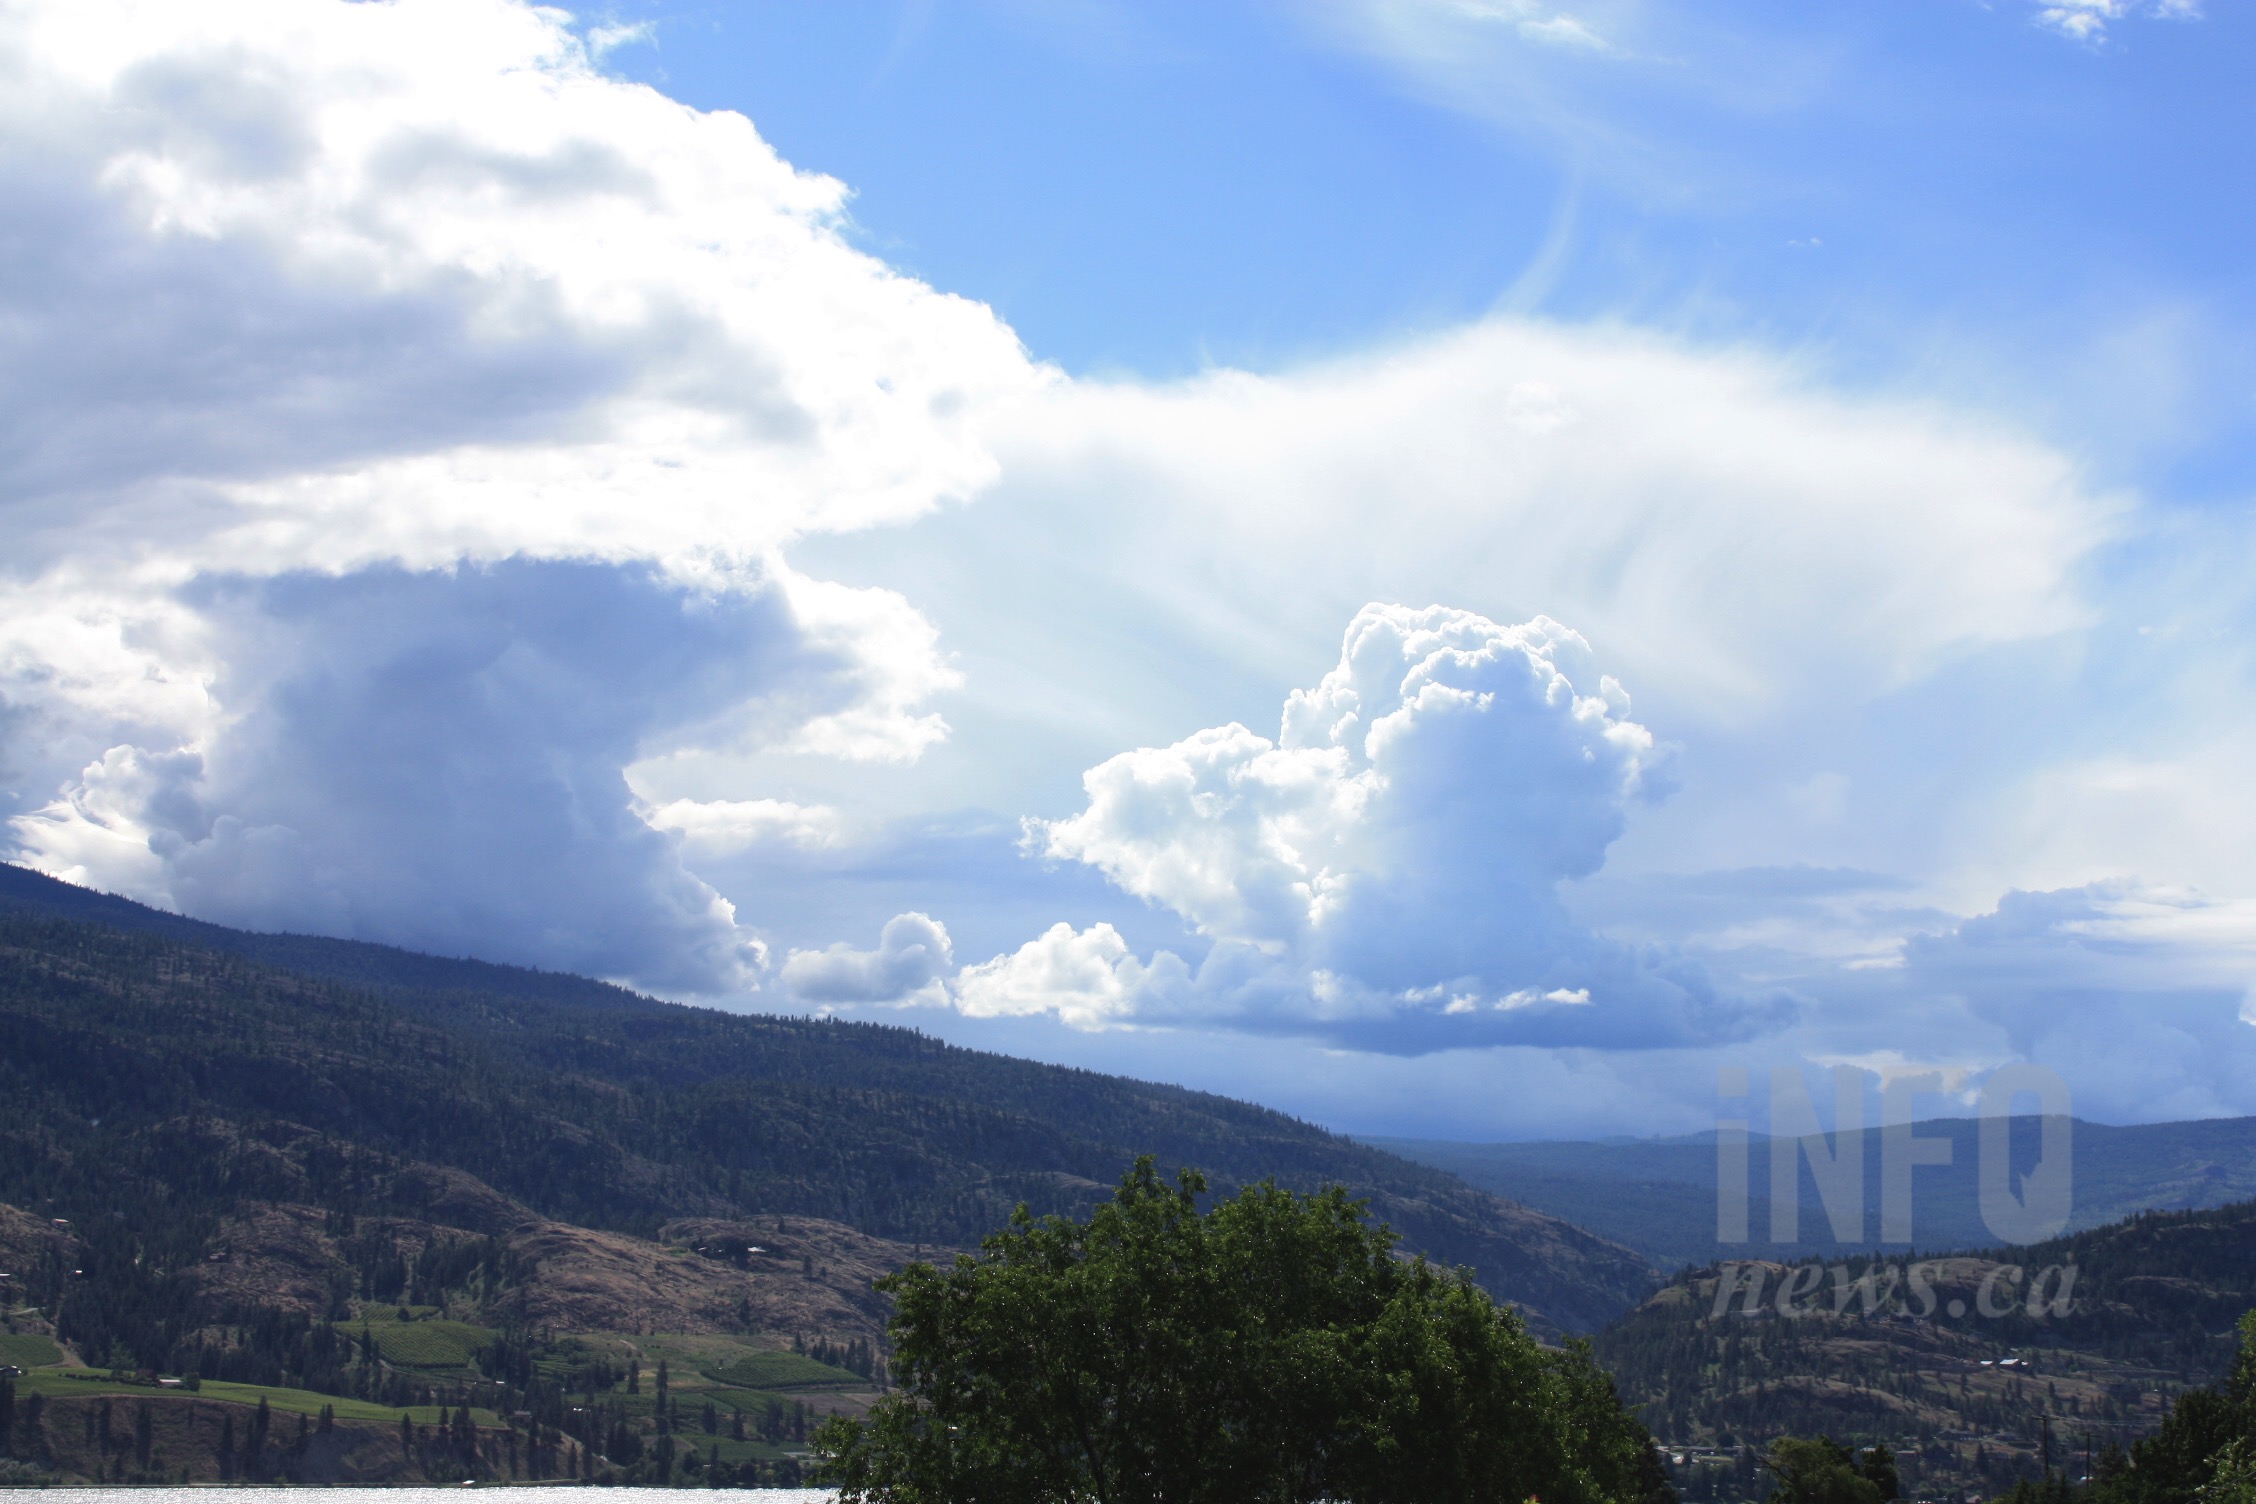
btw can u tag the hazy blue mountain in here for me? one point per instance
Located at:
(1658, 1196)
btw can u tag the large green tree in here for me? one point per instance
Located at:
(1270, 1348)
(1819, 1470)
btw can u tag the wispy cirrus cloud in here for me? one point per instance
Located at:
(2089, 20)
(1534, 22)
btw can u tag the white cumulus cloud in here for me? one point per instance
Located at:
(1089, 979)
(325, 283)
(1443, 751)
(1389, 860)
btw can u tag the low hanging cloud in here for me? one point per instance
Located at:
(1384, 871)
(1088, 979)
(910, 966)
(403, 419)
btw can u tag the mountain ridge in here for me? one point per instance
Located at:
(1659, 1195)
(601, 1108)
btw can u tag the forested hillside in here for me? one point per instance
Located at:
(156, 1076)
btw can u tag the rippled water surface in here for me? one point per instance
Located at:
(559, 1493)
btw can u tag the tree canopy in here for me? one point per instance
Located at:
(1819, 1470)
(2205, 1449)
(1270, 1348)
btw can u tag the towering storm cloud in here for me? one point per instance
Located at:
(1447, 771)
(1386, 870)
(402, 420)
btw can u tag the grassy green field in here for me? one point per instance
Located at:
(783, 1371)
(62, 1384)
(725, 1450)
(704, 1365)
(750, 1401)
(28, 1350)
(421, 1344)
(691, 1353)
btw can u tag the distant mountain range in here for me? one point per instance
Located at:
(1658, 1196)
(166, 1084)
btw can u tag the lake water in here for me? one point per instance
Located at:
(496, 1494)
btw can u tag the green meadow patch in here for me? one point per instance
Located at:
(77, 1383)
(28, 1350)
(422, 1344)
(783, 1371)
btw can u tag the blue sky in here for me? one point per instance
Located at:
(1940, 193)
(1453, 566)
